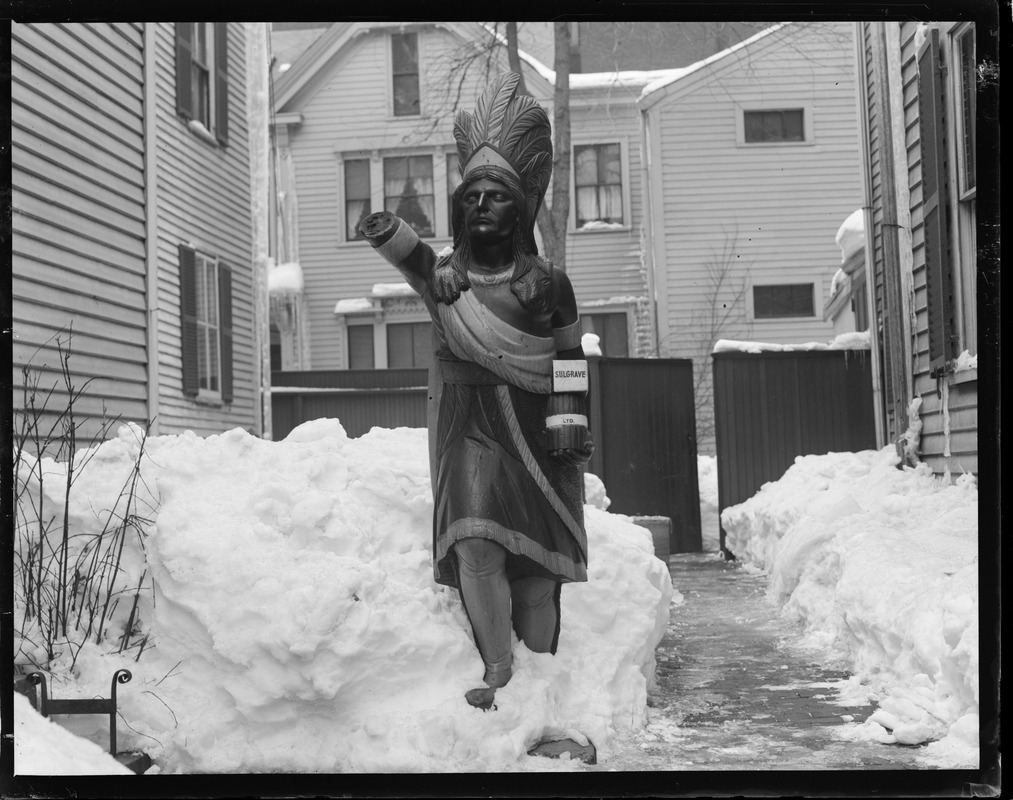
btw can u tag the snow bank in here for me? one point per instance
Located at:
(295, 624)
(879, 563)
(707, 481)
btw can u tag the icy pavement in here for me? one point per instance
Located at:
(737, 690)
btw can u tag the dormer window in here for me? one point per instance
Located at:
(404, 48)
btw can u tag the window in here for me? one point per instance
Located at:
(860, 305)
(598, 181)
(783, 301)
(202, 84)
(360, 347)
(408, 191)
(404, 49)
(357, 196)
(409, 344)
(965, 94)
(611, 330)
(774, 125)
(276, 357)
(206, 326)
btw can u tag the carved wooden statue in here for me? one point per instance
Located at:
(508, 428)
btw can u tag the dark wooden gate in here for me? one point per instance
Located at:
(770, 407)
(644, 424)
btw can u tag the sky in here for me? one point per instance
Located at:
(294, 625)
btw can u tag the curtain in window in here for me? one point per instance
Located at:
(598, 181)
(408, 191)
(357, 196)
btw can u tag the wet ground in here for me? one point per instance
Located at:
(738, 690)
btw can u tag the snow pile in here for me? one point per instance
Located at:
(851, 235)
(707, 481)
(880, 564)
(594, 492)
(295, 625)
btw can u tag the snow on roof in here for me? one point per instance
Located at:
(664, 81)
(358, 305)
(284, 278)
(593, 80)
(392, 290)
(851, 235)
(353, 305)
(858, 340)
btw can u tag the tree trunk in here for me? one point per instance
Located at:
(513, 57)
(553, 218)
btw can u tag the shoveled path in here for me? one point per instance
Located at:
(737, 690)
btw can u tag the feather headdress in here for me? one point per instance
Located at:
(508, 132)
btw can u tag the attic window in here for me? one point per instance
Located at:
(783, 301)
(404, 48)
(774, 125)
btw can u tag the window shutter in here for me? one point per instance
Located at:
(184, 62)
(188, 319)
(225, 321)
(222, 82)
(935, 181)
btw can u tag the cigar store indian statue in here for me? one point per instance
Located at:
(507, 425)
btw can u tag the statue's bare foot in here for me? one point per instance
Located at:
(481, 698)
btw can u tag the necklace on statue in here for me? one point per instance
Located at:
(491, 278)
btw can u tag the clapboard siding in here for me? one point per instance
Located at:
(344, 110)
(767, 214)
(949, 403)
(605, 264)
(78, 222)
(949, 442)
(203, 193)
(91, 77)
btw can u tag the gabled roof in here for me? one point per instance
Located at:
(682, 77)
(341, 34)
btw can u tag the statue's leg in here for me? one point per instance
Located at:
(536, 612)
(485, 591)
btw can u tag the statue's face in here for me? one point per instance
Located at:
(490, 213)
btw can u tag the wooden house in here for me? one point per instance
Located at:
(918, 88)
(134, 237)
(753, 161)
(363, 121)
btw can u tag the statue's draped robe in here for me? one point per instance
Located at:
(492, 475)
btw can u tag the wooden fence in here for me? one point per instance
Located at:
(360, 398)
(770, 407)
